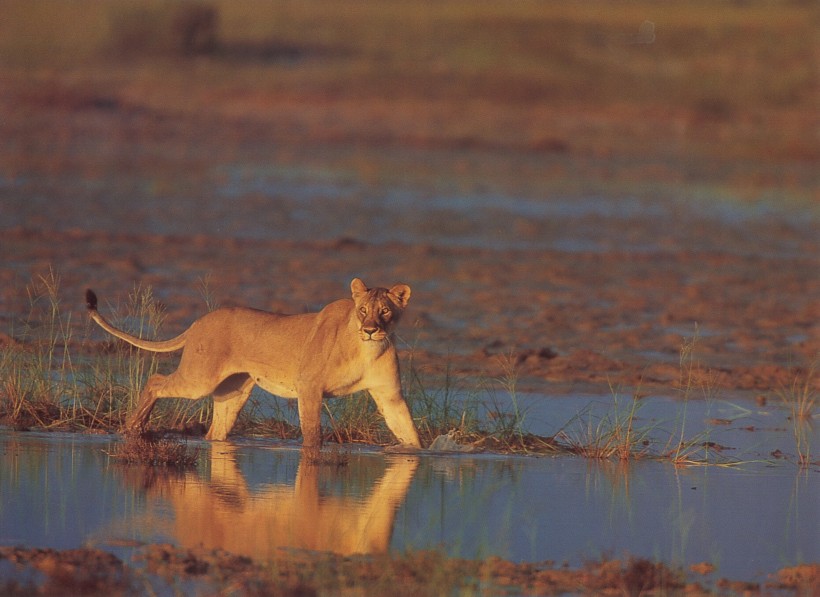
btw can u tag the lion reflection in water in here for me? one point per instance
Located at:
(224, 513)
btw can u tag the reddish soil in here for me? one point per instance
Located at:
(88, 571)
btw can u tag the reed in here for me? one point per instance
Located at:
(800, 398)
(355, 419)
(37, 371)
(612, 435)
(46, 385)
(693, 450)
(268, 416)
(617, 433)
(143, 318)
(509, 383)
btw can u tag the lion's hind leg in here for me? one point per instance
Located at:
(148, 398)
(229, 398)
(159, 386)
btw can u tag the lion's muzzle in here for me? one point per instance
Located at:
(372, 333)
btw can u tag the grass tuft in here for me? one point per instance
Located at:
(801, 399)
(335, 456)
(138, 449)
(614, 435)
(37, 386)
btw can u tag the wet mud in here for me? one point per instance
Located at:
(164, 567)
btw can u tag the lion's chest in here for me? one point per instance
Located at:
(332, 360)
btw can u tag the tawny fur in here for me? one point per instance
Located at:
(344, 348)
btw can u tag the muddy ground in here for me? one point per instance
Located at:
(564, 319)
(88, 571)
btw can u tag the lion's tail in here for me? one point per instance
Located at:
(163, 346)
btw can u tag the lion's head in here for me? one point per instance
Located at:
(378, 309)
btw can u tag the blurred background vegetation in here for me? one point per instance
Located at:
(734, 83)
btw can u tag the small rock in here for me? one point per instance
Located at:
(448, 443)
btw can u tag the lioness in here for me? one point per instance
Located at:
(344, 348)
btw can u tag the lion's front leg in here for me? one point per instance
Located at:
(310, 420)
(229, 398)
(396, 414)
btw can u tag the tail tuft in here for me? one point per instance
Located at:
(90, 300)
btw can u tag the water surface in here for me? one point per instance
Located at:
(256, 497)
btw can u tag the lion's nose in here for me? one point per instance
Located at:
(370, 330)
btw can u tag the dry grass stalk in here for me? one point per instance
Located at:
(801, 399)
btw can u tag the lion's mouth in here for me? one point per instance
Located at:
(372, 336)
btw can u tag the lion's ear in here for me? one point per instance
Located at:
(401, 294)
(357, 288)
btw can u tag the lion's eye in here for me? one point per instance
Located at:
(363, 310)
(385, 311)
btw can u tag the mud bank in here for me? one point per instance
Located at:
(87, 571)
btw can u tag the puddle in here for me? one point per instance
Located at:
(254, 497)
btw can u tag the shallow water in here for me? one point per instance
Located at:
(254, 497)
(264, 201)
